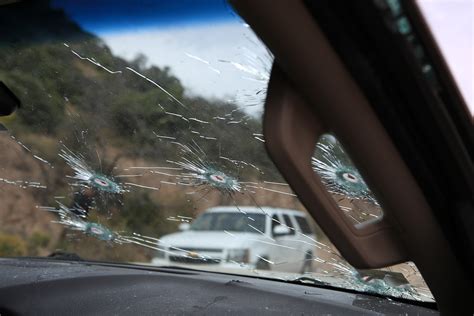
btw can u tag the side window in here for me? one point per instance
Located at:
(303, 224)
(275, 222)
(289, 223)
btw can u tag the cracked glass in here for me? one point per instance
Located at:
(343, 181)
(139, 140)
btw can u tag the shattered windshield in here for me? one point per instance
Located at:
(136, 123)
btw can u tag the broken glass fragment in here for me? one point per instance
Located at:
(73, 218)
(337, 172)
(86, 176)
(343, 180)
(198, 171)
(99, 231)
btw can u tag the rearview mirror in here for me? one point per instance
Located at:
(184, 226)
(281, 230)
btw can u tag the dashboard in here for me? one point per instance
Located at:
(37, 286)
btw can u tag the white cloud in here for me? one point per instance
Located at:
(195, 54)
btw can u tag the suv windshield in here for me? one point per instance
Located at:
(251, 223)
(135, 121)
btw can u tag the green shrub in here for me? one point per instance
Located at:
(12, 246)
(38, 240)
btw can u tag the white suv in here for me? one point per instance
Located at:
(256, 237)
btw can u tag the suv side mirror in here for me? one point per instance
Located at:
(184, 226)
(8, 101)
(280, 230)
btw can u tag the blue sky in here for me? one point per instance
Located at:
(102, 16)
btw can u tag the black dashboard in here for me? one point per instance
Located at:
(48, 286)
